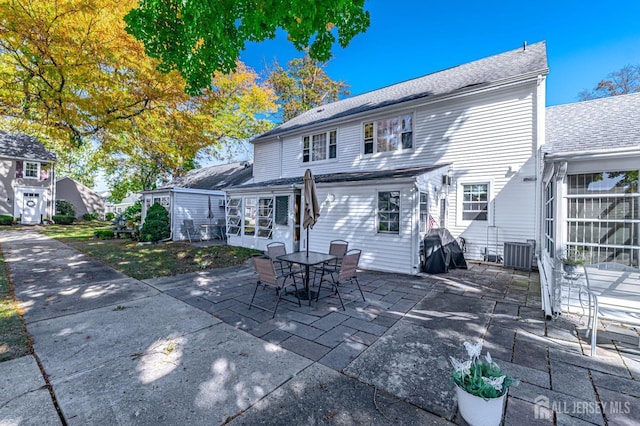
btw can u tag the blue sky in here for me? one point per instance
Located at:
(586, 40)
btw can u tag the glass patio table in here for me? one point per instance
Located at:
(307, 260)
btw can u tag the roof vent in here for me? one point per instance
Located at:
(524, 45)
(320, 110)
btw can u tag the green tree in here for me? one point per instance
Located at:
(156, 224)
(304, 85)
(625, 80)
(71, 74)
(200, 39)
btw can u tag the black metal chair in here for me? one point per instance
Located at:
(347, 272)
(267, 276)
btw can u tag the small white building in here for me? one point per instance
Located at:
(459, 147)
(198, 196)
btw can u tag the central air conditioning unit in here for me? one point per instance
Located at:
(518, 255)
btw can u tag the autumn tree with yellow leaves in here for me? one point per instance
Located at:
(70, 73)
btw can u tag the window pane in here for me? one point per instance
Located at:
(282, 210)
(603, 221)
(388, 211)
(475, 202)
(319, 147)
(333, 144)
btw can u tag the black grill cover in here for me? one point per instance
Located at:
(441, 252)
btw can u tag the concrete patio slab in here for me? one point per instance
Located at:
(411, 362)
(45, 302)
(322, 396)
(205, 377)
(74, 344)
(24, 399)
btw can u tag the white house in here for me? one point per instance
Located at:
(460, 145)
(590, 195)
(197, 196)
(27, 178)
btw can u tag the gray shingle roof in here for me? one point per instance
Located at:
(20, 145)
(344, 177)
(218, 177)
(473, 74)
(594, 125)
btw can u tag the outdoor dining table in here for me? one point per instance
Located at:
(307, 260)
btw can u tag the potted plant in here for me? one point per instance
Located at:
(572, 260)
(481, 387)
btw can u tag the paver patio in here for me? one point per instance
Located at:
(188, 348)
(399, 340)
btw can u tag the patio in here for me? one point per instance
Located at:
(397, 343)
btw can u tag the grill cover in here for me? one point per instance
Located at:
(441, 252)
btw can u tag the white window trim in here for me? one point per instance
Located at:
(459, 200)
(24, 170)
(327, 134)
(398, 151)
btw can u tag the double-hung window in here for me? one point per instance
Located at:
(31, 170)
(389, 212)
(388, 135)
(475, 201)
(320, 147)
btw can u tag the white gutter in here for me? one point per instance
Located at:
(600, 154)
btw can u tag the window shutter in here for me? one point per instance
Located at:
(19, 169)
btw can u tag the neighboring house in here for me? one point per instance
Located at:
(27, 189)
(459, 147)
(198, 196)
(590, 196)
(83, 199)
(118, 208)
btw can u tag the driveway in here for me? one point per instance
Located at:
(187, 350)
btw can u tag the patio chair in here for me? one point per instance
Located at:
(267, 276)
(189, 229)
(337, 248)
(274, 250)
(612, 289)
(346, 273)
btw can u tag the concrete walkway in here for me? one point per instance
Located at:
(187, 350)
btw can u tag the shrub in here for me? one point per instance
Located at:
(62, 219)
(156, 224)
(6, 219)
(90, 216)
(109, 216)
(134, 213)
(65, 208)
(104, 234)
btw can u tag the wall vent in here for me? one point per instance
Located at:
(518, 255)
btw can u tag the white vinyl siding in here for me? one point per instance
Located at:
(351, 216)
(486, 137)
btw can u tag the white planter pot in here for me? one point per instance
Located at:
(478, 411)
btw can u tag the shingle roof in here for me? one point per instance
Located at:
(478, 73)
(598, 124)
(218, 177)
(343, 177)
(20, 145)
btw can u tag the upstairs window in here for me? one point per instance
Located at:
(31, 170)
(388, 135)
(320, 147)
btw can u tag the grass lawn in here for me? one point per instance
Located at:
(14, 341)
(142, 261)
